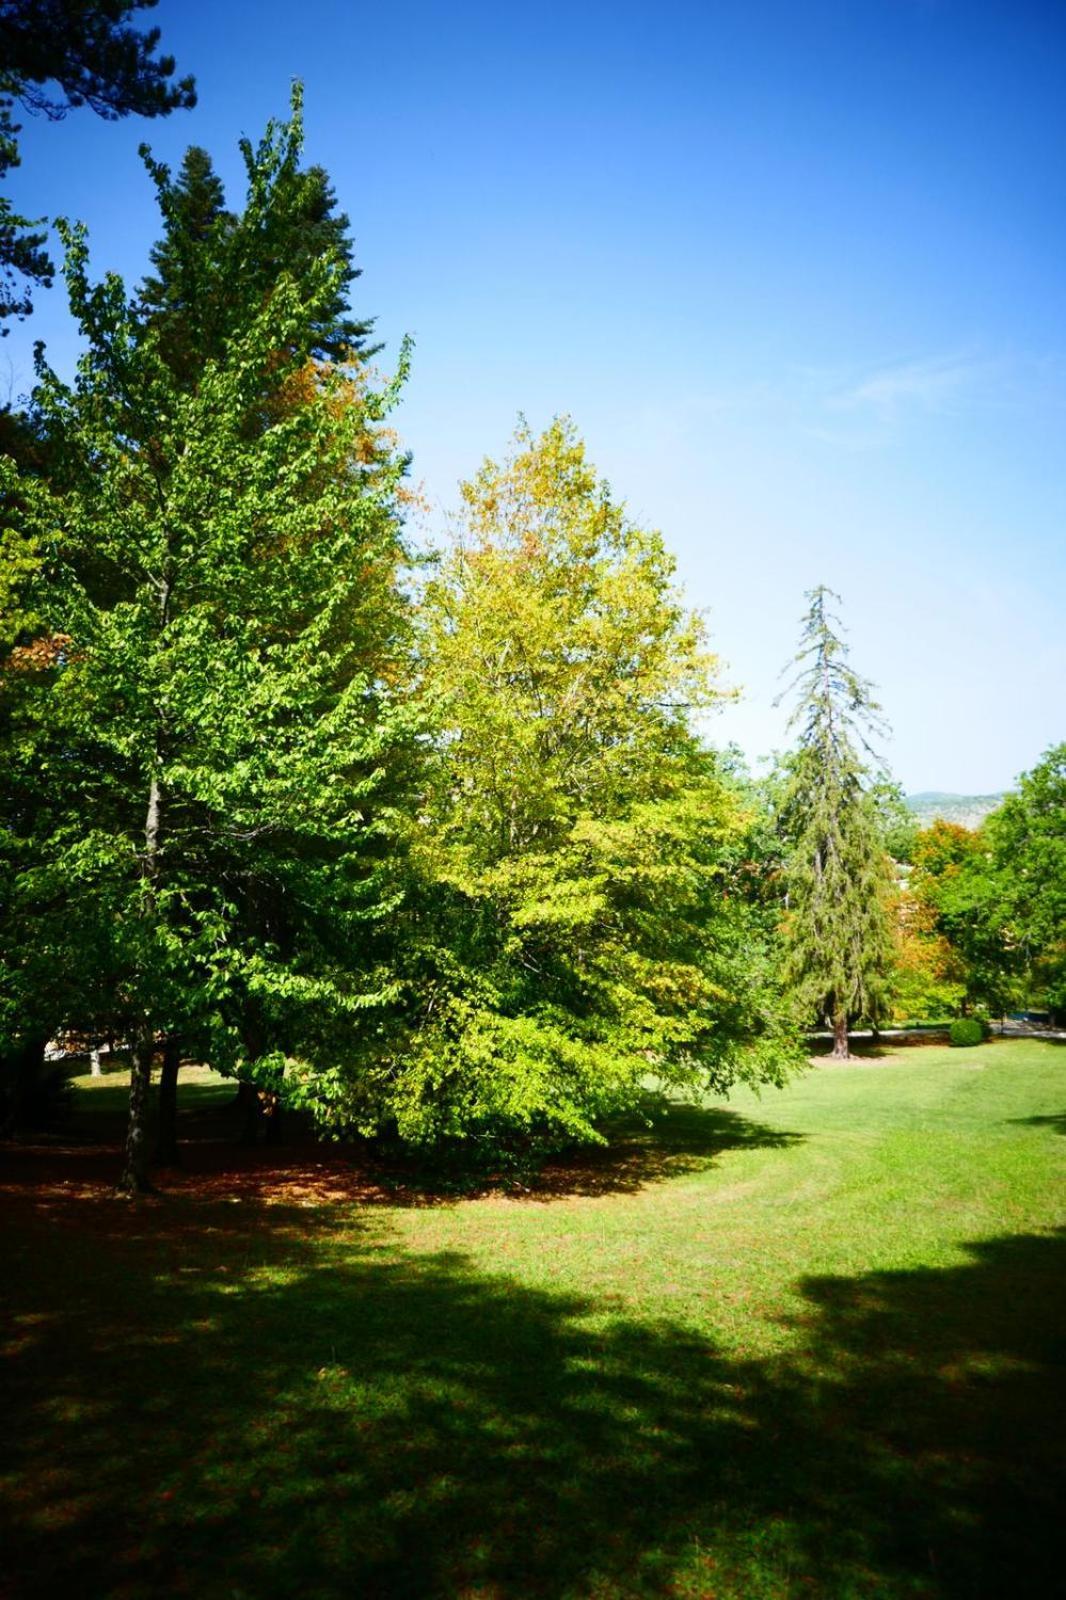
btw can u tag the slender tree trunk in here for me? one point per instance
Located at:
(840, 1037)
(166, 1146)
(134, 1179)
(151, 835)
(251, 1112)
(248, 1093)
(272, 1119)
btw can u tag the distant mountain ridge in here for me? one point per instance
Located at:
(967, 810)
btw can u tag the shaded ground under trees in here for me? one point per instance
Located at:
(251, 1390)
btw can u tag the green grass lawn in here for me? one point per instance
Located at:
(808, 1344)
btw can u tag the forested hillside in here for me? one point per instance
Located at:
(965, 810)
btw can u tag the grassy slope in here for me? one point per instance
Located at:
(801, 1345)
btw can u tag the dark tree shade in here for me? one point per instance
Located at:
(56, 55)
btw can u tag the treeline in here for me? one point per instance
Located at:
(981, 914)
(426, 845)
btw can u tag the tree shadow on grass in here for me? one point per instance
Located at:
(1056, 1121)
(667, 1140)
(261, 1403)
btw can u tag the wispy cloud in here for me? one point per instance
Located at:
(862, 406)
(851, 408)
(935, 383)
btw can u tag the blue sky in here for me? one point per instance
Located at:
(795, 269)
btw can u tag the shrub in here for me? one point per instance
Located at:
(967, 1031)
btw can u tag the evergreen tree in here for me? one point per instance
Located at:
(213, 267)
(838, 873)
(223, 579)
(56, 55)
(185, 297)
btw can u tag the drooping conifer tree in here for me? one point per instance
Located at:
(838, 872)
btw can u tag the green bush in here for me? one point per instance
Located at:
(967, 1031)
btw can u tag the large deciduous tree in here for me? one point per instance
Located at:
(838, 872)
(996, 897)
(1028, 840)
(964, 903)
(222, 586)
(212, 268)
(579, 925)
(929, 972)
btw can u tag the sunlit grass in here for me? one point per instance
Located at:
(802, 1344)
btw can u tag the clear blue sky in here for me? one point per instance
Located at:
(796, 269)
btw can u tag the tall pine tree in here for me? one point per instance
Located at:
(213, 267)
(838, 872)
(56, 55)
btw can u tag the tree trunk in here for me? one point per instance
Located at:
(134, 1179)
(251, 1112)
(248, 1096)
(166, 1147)
(272, 1119)
(840, 1050)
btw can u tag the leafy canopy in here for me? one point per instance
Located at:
(1028, 837)
(216, 719)
(570, 932)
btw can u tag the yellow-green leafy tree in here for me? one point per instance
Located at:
(577, 920)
